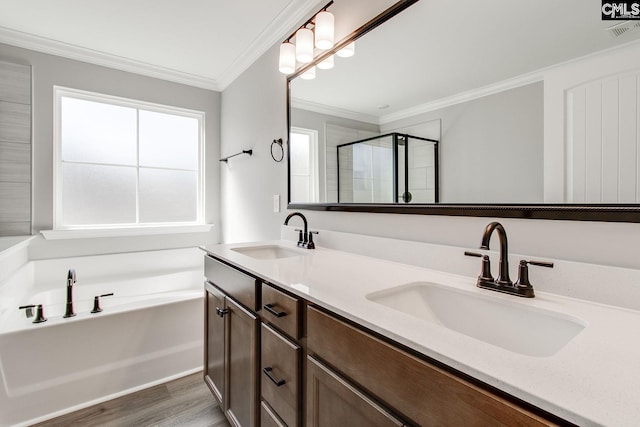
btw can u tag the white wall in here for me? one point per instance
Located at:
(254, 111)
(50, 70)
(253, 115)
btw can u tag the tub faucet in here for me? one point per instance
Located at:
(306, 238)
(71, 279)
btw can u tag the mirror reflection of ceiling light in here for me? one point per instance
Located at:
(317, 32)
(326, 64)
(347, 51)
(310, 74)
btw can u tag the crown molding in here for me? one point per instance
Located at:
(333, 111)
(513, 83)
(66, 50)
(295, 12)
(459, 98)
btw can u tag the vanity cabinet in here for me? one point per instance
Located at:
(423, 393)
(231, 343)
(276, 360)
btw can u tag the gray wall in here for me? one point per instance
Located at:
(318, 121)
(15, 149)
(481, 140)
(49, 70)
(254, 110)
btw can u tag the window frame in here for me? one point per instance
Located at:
(314, 181)
(60, 92)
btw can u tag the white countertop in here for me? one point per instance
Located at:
(593, 380)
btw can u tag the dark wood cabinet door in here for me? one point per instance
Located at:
(214, 369)
(332, 401)
(242, 365)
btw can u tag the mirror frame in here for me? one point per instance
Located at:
(573, 212)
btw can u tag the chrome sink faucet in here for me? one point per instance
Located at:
(503, 283)
(71, 280)
(305, 238)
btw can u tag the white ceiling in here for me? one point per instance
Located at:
(207, 43)
(453, 46)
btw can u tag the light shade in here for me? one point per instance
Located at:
(310, 74)
(347, 51)
(324, 30)
(287, 62)
(326, 64)
(304, 45)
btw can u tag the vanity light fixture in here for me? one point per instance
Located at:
(324, 30)
(287, 63)
(318, 33)
(304, 45)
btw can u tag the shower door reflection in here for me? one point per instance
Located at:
(391, 168)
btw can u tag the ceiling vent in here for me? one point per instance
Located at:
(623, 28)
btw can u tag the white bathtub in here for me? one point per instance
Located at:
(149, 332)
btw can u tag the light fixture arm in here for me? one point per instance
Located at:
(310, 21)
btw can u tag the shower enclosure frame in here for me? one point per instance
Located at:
(397, 138)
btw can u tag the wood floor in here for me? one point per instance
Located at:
(183, 402)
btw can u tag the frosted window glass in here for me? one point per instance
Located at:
(168, 195)
(98, 133)
(168, 141)
(96, 194)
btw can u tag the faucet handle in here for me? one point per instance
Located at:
(301, 237)
(39, 312)
(96, 302)
(310, 243)
(485, 274)
(523, 282)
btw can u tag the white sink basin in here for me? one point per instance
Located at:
(511, 325)
(268, 252)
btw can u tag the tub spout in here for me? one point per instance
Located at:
(71, 279)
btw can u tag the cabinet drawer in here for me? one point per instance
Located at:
(268, 417)
(281, 310)
(424, 393)
(235, 283)
(280, 381)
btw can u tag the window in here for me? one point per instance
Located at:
(303, 163)
(125, 163)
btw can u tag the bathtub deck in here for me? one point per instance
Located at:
(183, 402)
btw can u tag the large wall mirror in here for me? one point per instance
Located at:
(473, 89)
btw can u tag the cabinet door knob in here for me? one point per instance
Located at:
(221, 311)
(269, 308)
(267, 371)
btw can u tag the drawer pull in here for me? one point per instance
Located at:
(267, 372)
(269, 308)
(221, 311)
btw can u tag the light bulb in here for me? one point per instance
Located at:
(310, 74)
(324, 30)
(326, 64)
(287, 62)
(347, 51)
(304, 45)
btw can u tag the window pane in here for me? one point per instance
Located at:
(98, 133)
(168, 196)
(96, 194)
(168, 141)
